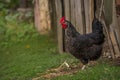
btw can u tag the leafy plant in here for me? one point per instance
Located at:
(12, 27)
(14, 30)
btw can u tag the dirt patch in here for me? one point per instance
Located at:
(60, 71)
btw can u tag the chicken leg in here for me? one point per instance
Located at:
(83, 67)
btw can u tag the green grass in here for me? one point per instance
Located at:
(99, 72)
(28, 59)
(25, 60)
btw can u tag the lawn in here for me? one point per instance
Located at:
(29, 59)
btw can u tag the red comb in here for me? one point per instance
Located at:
(62, 19)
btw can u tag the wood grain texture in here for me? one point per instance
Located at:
(79, 16)
(115, 45)
(59, 28)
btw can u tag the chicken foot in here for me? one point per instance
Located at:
(65, 63)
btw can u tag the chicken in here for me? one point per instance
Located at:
(86, 47)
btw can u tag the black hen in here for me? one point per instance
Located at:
(84, 47)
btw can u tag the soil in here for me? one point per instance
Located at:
(60, 71)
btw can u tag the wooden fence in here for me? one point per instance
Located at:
(81, 14)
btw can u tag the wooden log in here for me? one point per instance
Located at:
(37, 14)
(42, 16)
(59, 28)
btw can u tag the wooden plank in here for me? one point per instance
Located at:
(115, 45)
(114, 26)
(117, 32)
(59, 28)
(87, 18)
(67, 15)
(79, 16)
(91, 14)
(67, 9)
(117, 8)
(72, 12)
(83, 16)
(109, 40)
(108, 5)
(108, 36)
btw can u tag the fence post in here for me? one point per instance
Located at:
(58, 5)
